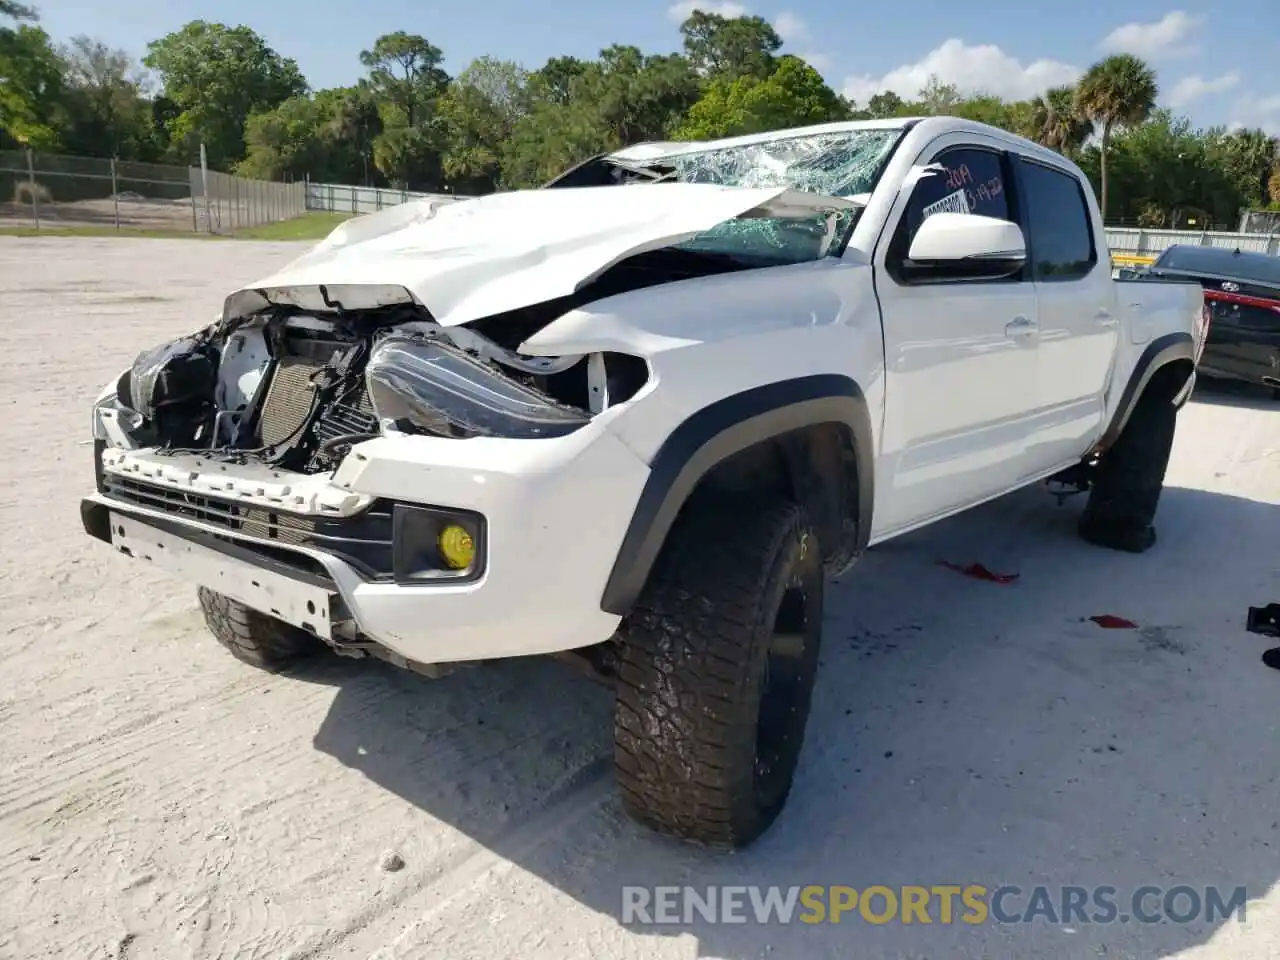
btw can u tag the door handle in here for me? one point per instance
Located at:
(1020, 327)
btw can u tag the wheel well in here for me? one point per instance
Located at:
(809, 438)
(814, 466)
(1168, 380)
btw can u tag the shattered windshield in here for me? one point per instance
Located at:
(843, 164)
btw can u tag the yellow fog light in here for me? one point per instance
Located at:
(457, 549)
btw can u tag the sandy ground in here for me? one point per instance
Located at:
(160, 800)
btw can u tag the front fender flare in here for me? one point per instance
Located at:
(719, 431)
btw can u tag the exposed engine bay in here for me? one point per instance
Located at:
(296, 391)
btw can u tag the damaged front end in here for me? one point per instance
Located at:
(295, 391)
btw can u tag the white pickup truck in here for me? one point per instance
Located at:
(637, 416)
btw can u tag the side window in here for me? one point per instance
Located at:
(1059, 229)
(970, 181)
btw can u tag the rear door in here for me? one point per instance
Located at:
(1079, 326)
(959, 353)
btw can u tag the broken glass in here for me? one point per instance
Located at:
(842, 164)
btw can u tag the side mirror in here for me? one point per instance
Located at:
(956, 246)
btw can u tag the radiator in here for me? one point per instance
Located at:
(288, 400)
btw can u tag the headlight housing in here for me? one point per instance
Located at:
(440, 389)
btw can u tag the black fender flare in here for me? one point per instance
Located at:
(720, 430)
(1160, 352)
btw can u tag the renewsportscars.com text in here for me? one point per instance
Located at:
(972, 904)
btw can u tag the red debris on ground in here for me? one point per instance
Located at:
(979, 572)
(1109, 622)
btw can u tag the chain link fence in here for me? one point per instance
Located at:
(53, 191)
(344, 198)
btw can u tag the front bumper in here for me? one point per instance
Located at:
(555, 513)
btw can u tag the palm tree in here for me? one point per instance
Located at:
(1057, 123)
(1257, 153)
(17, 11)
(1118, 91)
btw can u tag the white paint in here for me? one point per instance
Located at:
(496, 253)
(974, 389)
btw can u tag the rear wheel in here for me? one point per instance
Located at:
(716, 672)
(1129, 478)
(253, 637)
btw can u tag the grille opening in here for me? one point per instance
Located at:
(362, 540)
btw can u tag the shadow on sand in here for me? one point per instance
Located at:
(963, 733)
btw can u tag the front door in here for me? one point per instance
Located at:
(960, 355)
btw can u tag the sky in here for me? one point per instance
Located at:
(1218, 64)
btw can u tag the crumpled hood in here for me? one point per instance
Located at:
(468, 259)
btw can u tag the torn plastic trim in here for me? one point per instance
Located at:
(250, 483)
(318, 298)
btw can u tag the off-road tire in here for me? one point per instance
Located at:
(255, 638)
(1129, 478)
(690, 691)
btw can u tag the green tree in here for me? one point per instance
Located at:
(481, 110)
(218, 76)
(31, 88)
(357, 124)
(105, 98)
(287, 140)
(1250, 156)
(638, 97)
(1058, 123)
(623, 97)
(793, 95)
(939, 99)
(554, 81)
(1118, 91)
(404, 71)
(730, 47)
(411, 157)
(17, 11)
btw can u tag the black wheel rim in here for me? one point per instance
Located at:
(782, 687)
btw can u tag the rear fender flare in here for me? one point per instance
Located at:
(717, 432)
(1159, 353)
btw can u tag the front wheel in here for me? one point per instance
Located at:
(716, 672)
(255, 638)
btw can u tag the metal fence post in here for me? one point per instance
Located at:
(115, 195)
(31, 184)
(191, 189)
(204, 182)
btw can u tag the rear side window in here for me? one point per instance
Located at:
(968, 181)
(1059, 230)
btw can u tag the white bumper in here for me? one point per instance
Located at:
(556, 512)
